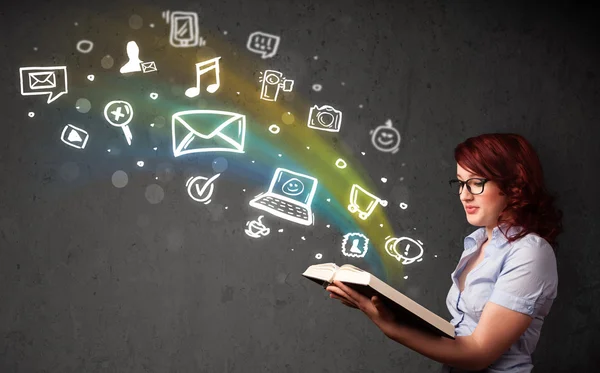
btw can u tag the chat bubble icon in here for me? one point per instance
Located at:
(51, 81)
(262, 43)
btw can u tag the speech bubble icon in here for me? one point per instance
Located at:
(51, 81)
(262, 43)
(404, 249)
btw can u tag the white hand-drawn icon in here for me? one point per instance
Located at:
(324, 118)
(359, 245)
(359, 198)
(84, 46)
(386, 138)
(133, 55)
(262, 43)
(204, 192)
(202, 68)
(340, 163)
(272, 82)
(148, 67)
(199, 131)
(184, 28)
(274, 129)
(134, 63)
(289, 196)
(75, 137)
(411, 249)
(256, 228)
(51, 81)
(119, 114)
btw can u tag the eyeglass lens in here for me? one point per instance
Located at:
(474, 186)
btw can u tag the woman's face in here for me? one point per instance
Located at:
(487, 206)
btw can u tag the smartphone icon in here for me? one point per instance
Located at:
(184, 29)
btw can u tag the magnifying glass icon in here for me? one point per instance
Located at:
(119, 114)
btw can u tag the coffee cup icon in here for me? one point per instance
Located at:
(256, 228)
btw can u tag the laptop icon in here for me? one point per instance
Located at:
(289, 196)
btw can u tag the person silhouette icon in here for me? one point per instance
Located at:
(134, 63)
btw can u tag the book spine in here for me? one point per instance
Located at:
(332, 276)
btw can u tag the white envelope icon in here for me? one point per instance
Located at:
(148, 67)
(199, 131)
(42, 80)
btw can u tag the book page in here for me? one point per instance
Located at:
(350, 267)
(323, 271)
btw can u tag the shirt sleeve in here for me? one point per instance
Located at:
(528, 280)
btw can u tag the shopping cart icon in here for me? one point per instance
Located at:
(360, 197)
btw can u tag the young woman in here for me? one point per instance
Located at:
(506, 279)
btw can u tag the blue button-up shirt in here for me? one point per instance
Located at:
(521, 276)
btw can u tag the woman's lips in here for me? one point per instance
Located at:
(471, 209)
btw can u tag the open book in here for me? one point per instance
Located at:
(407, 310)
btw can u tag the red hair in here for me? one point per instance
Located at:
(512, 163)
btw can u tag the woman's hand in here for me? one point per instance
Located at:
(374, 308)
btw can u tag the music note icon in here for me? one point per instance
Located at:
(202, 68)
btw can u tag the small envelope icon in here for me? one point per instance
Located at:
(42, 80)
(148, 67)
(199, 131)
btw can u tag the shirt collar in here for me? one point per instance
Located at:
(475, 239)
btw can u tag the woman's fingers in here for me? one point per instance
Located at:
(343, 300)
(336, 290)
(349, 304)
(338, 294)
(348, 292)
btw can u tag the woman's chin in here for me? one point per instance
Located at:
(473, 220)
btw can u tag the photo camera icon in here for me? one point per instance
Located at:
(324, 118)
(51, 81)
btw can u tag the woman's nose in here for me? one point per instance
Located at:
(465, 195)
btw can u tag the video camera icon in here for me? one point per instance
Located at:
(272, 82)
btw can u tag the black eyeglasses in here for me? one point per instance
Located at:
(474, 185)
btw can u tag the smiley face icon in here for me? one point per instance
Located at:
(293, 187)
(386, 138)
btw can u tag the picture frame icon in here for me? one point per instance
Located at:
(74, 136)
(358, 247)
